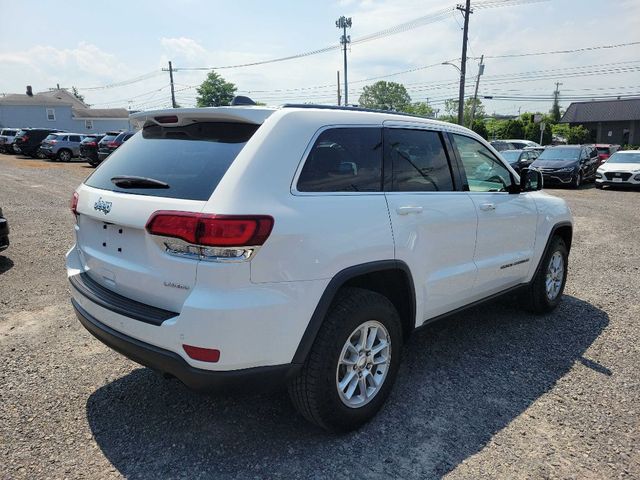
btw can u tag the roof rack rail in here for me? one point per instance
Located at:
(351, 109)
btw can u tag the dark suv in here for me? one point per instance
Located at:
(27, 142)
(568, 164)
(107, 148)
(89, 149)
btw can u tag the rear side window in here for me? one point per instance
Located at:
(418, 161)
(190, 159)
(74, 138)
(344, 160)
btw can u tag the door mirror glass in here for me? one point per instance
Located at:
(530, 180)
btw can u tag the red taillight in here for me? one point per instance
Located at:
(113, 144)
(212, 230)
(74, 203)
(25, 138)
(202, 354)
(91, 144)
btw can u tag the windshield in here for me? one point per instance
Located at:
(510, 156)
(191, 159)
(560, 154)
(624, 157)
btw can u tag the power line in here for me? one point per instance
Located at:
(123, 83)
(556, 52)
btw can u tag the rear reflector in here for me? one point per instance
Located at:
(211, 230)
(74, 203)
(202, 354)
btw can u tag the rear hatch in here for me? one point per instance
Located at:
(163, 167)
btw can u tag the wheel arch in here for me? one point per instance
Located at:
(391, 278)
(563, 230)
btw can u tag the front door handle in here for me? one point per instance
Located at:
(487, 207)
(408, 210)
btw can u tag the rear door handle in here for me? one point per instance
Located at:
(408, 210)
(487, 207)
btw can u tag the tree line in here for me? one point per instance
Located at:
(215, 91)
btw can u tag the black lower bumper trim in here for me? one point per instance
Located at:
(167, 362)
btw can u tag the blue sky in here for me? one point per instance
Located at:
(90, 45)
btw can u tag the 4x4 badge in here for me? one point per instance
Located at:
(102, 206)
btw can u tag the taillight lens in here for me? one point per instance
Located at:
(91, 144)
(212, 230)
(113, 144)
(74, 203)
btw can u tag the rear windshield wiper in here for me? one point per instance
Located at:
(132, 181)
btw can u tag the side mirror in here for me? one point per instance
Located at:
(530, 180)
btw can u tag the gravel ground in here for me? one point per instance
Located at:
(490, 393)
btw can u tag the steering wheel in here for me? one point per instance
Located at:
(498, 179)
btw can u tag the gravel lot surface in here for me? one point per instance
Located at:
(490, 393)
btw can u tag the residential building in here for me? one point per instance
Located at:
(61, 110)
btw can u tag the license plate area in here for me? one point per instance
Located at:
(616, 179)
(113, 238)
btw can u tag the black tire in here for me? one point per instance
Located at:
(578, 181)
(64, 155)
(536, 298)
(94, 163)
(314, 392)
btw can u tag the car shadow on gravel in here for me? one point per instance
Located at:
(463, 379)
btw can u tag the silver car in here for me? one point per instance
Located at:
(61, 146)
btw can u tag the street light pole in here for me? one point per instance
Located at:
(344, 23)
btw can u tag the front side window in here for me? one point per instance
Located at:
(344, 160)
(484, 172)
(418, 161)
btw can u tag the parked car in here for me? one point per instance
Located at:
(7, 136)
(520, 144)
(620, 169)
(605, 150)
(89, 149)
(233, 247)
(567, 164)
(107, 148)
(519, 159)
(27, 141)
(536, 151)
(62, 146)
(501, 145)
(4, 232)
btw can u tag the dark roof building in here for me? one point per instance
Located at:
(609, 121)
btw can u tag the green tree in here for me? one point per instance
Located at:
(480, 128)
(385, 96)
(468, 106)
(555, 108)
(215, 91)
(77, 94)
(420, 108)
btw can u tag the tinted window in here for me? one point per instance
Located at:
(344, 160)
(108, 138)
(191, 159)
(511, 156)
(74, 138)
(484, 172)
(418, 161)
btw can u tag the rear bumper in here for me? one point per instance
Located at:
(170, 363)
(102, 155)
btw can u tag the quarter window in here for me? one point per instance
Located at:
(485, 173)
(344, 160)
(418, 161)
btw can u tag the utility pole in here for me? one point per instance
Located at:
(475, 94)
(338, 77)
(466, 11)
(344, 23)
(173, 93)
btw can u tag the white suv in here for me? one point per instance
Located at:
(301, 245)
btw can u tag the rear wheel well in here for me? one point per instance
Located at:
(397, 286)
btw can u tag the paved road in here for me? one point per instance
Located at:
(491, 392)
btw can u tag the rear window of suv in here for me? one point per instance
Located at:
(191, 159)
